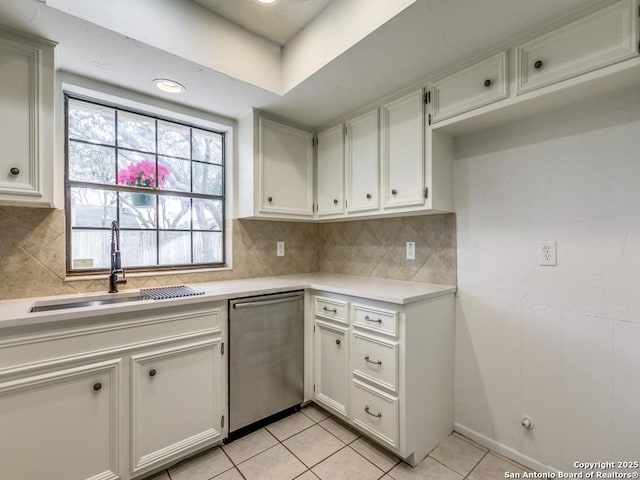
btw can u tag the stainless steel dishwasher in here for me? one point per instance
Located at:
(266, 358)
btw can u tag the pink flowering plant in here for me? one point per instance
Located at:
(143, 174)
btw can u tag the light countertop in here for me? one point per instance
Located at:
(15, 313)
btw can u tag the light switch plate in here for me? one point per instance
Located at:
(411, 250)
(280, 249)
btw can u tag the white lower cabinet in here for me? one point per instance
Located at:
(376, 413)
(376, 360)
(61, 424)
(399, 369)
(332, 367)
(189, 376)
(112, 397)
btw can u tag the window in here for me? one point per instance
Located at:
(163, 181)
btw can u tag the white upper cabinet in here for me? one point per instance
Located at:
(362, 163)
(477, 85)
(331, 171)
(286, 166)
(275, 171)
(26, 121)
(403, 151)
(595, 41)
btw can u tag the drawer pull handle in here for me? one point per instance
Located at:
(377, 415)
(366, 359)
(97, 387)
(338, 342)
(335, 201)
(270, 199)
(538, 64)
(487, 82)
(14, 171)
(330, 310)
(368, 196)
(394, 192)
(153, 372)
(372, 320)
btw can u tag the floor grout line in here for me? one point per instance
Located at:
(477, 463)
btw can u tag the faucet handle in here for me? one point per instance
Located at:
(117, 260)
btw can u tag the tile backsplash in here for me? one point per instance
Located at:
(377, 248)
(32, 252)
(32, 255)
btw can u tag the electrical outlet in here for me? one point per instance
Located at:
(547, 253)
(411, 250)
(280, 249)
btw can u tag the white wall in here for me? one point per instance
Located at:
(561, 344)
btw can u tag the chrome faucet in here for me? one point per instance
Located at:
(116, 261)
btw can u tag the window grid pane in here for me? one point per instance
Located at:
(129, 153)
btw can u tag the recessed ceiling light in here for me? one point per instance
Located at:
(267, 2)
(168, 86)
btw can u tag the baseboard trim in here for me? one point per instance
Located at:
(502, 449)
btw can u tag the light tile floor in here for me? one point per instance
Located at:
(311, 445)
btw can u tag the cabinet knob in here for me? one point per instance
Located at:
(487, 82)
(15, 171)
(335, 201)
(152, 372)
(368, 196)
(338, 342)
(538, 64)
(97, 386)
(270, 199)
(394, 192)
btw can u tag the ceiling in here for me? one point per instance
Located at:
(422, 39)
(278, 23)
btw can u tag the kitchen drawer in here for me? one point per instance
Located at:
(376, 361)
(375, 319)
(478, 85)
(595, 41)
(332, 309)
(376, 413)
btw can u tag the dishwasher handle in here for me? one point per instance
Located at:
(261, 303)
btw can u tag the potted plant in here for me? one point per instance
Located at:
(143, 174)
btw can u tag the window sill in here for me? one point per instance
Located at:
(104, 276)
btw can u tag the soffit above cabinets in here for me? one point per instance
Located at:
(352, 53)
(278, 23)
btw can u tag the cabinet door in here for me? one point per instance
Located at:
(362, 157)
(595, 41)
(332, 368)
(480, 84)
(403, 151)
(26, 122)
(286, 169)
(176, 402)
(330, 171)
(62, 424)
